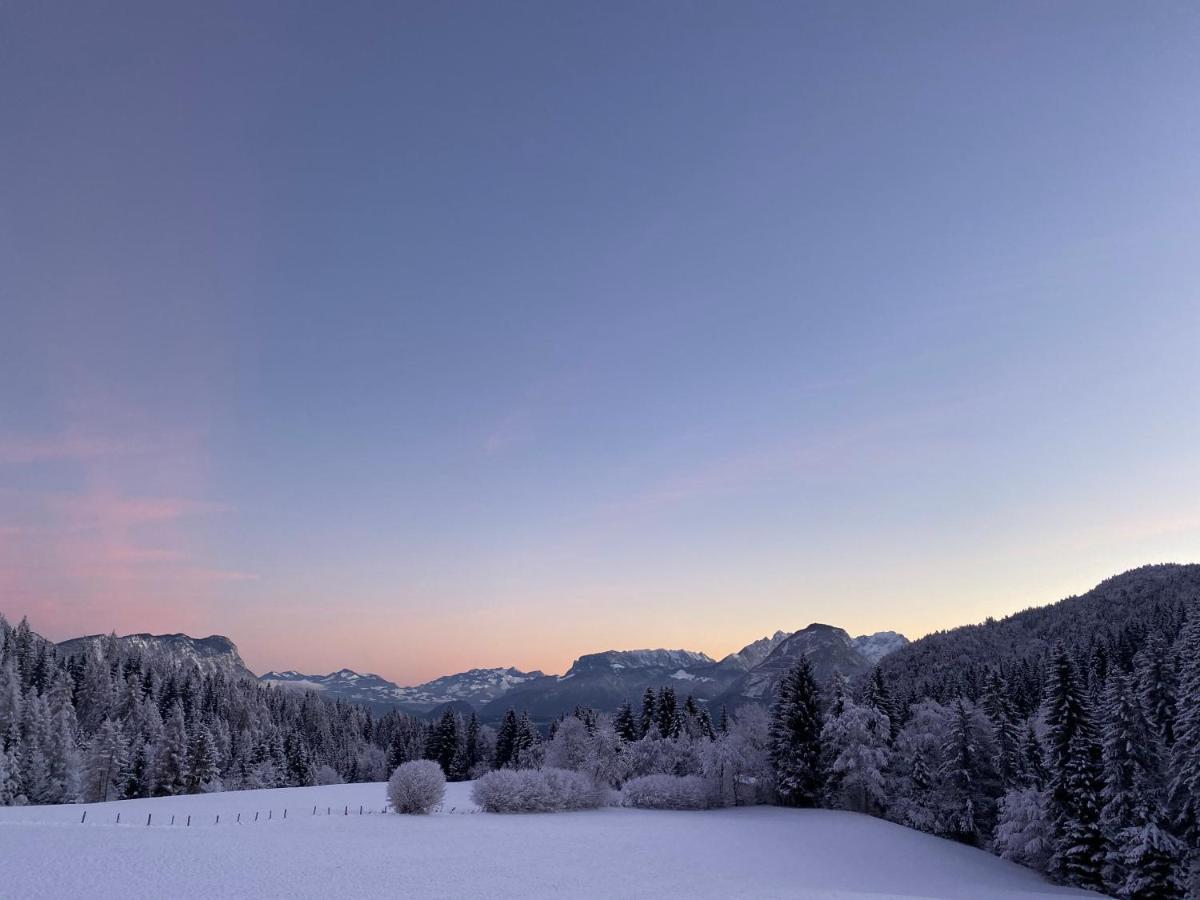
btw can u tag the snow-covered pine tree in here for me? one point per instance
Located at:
(62, 747)
(1074, 779)
(105, 764)
(879, 697)
(1154, 864)
(968, 778)
(526, 744)
(506, 740)
(796, 755)
(1131, 794)
(1006, 735)
(1184, 785)
(171, 774)
(204, 774)
(472, 750)
(1156, 685)
(856, 743)
(649, 711)
(667, 713)
(35, 738)
(1031, 761)
(625, 724)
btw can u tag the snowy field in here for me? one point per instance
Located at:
(758, 852)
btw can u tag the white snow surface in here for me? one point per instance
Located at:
(760, 852)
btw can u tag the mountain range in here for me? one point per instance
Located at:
(600, 680)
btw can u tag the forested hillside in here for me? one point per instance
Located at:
(120, 719)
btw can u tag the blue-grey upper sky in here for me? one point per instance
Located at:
(411, 337)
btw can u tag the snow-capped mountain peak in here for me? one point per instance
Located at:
(878, 645)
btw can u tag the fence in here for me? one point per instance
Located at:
(187, 821)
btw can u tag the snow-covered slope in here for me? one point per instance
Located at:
(878, 645)
(760, 852)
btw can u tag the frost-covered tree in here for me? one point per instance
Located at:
(649, 711)
(107, 758)
(667, 716)
(1154, 865)
(1006, 733)
(916, 764)
(968, 780)
(796, 752)
(856, 742)
(1023, 832)
(1184, 785)
(204, 774)
(10, 779)
(416, 787)
(172, 774)
(879, 697)
(572, 747)
(1074, 786)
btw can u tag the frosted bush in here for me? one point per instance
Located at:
(416, 787)
(668, 792)
(328, 775)
(535, 790)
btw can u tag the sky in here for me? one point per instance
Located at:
(414, 337)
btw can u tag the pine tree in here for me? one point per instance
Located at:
(1156, 683)
(506, 740)
(856, 744)
(998, 706)
(1184, 785)
(649, 711)
(104, 770)
(625, 724)
(171, 775)
(1031, 765)
(878, 697)
(796, 738)
(204, 774)
(968, 779)
(35, 738)
(10, 778)
(1154, 862)
(1131, 796)
(472, 752)
(1073, 779)
(667, 717)
(442, 745)
(62, 749)
(525, 744)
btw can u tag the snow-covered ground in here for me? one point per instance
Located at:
(758, 852)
